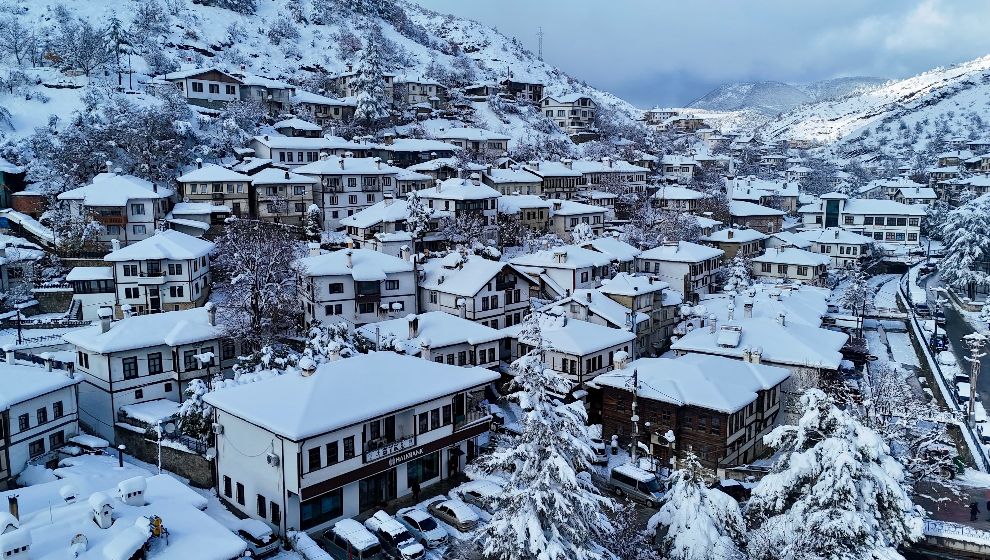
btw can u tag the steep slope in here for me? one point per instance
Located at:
(771, 97)
(420, 43)
(943, 101)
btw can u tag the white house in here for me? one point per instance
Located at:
(574, 113)
(166, 272)
(791, 264)
(311, 445)
(885, 221)
(559, 178)
(355, 286)
(687, 267)
(677, 198)
(213, 184)
(568, 215)
(561, 270)
(439, 337)
(844, 247)
(464, 198)
(39, 416)
(475, 140)
(622, 254)
(143, 358)
(129, 208)
(347, 185)
(283, 196)
(492, 293)
(92, 288)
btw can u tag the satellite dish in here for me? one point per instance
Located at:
(211, 453)
(170, 428)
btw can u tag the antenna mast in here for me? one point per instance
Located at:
(539, 36)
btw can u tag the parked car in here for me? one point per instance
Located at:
(259, 538)
(940, 318)
(600, 451)
(479, 493)
(349, 540)
(634, 482)
(396, 541)
(454, 513)
(922, 309)
(940, 342)
(423, 526)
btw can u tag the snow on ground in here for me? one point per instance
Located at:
(902, 349)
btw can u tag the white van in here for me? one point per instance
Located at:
(632, 481)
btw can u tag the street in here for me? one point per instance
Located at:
(956, 327)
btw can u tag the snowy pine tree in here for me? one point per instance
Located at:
(418, 220)
(857, 291)
(550, 509)
(696, 522)
(836, 492)
(372, 100)
(313, 223)
(739, 275)
(967, 237)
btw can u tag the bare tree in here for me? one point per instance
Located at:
(15, 39)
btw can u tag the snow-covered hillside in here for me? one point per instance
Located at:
(422, 43)
(950, 99)
(772, 97)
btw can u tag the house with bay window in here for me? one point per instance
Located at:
(213, 184)
(492, 293)
(346, 185)
(304, 450)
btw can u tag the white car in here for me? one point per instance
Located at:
(423, 526)
(479, 493)
(455, 513)
(600, 451)
(394, 538)
(259, 538)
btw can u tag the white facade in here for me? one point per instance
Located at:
(494, 294)
(885, 221)
(129, 208)
(573, 113)
(687, 267)
(347, 185)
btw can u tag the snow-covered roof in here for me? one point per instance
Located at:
(191, 72)
(386, 211)
(565, 207)
(625, 284)
(883, 207)
(410, 175)
(565, 256)
(673, 192)
(22, 383)
(297, 124)
(460, 276)
(337, 165)
(792, 255)
(435, 329)
(151, 412)
(789, 344)
(549, 168)
(514, 203)
(169, 244)
(711, 382)
(470, 133)
(344, 392)
(567, 98)
(917, 193)
(834, 235)
(574, 337)
(682, 251)
(419, 145)
(609, 166)
(363, 265)
(802, 304)
(272, 176)
(792, 238)
(302, 96)
(705, 222)
(172, 328)
(250, 164)
(7, 167)
(743, 209)
(451, 162)
(734, 235)
(599, 304)
(498, 176)
(613, 247)
(294, 142)
(111, 189)
(675, 159)
(81, 273)
(459, 189)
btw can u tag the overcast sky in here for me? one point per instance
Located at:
(654, 52)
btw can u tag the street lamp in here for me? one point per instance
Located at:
(975, 343)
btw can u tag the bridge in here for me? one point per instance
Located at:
(945, 539)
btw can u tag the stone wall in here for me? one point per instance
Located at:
(186, 464)
(53, 300)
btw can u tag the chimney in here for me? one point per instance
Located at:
(424, 349)
(560, 255)
(405, 252)
(307, 367)
(712, 323)
(350, 67)
(462, 308)
(349, 257)
(286, 174)
(211, 313)
(127, 310)
(438, 182)
(568, 163)
(199, 163)
(588, 296)
(747, 356)
(748, 310)
(388, 199)
(13, 507)
(115, 244)
(607, 161)
(340, 160)
(413, 326)
(8, 350)
(266, 138)
(782, 319)
(557, 205)
(730, 233)
(314, 248)
(731, 308)
(154, 187)
(476, 179)
(105, 314)
(378, 162)
(621, 359)
(757, 355)
(109, 167)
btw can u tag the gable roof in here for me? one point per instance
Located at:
(365, 265)
(467, 279)
(172, 328)
(792, 255)
(682, 251)
(613, 247)
(743, 208)
(212, 173)
(169, 244)
(574, 337)
(573, 257)
(599, 304)
(111, 189)
(435, 329)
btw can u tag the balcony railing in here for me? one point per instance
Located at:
(109, 220)
(381, 448)
(469, 418)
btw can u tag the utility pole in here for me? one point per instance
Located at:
(539, 37)
(975, 343)
(19, 339)
(635, 417)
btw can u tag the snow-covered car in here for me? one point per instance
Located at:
(349, 540)
(455, 513)
(946, 358)
(600, 451)
(259, 538)
(632, 481)
(394, 538)
(940, 342)
(423, 526)
(479, 493)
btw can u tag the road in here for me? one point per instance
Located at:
(956, 327)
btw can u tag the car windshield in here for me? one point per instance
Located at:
(652, 485)
(371, 551)
(427, 524)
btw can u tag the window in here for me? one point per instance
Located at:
(336, 288)
(214, 88)
(168, 387)
(240, 493)
(83, 359)
(423, 469)
(42, 414)
(370, 198)
(189, 359)
(332, 456)
(175, 269)
(36, 447)
(57, 409)
(433, 297)
(912, 237)
(137, 209)
(197, 87)
(130, 270)
(348, 447)
(434, 418)
(334, 309)
(781, 269)
(132, 293)
(322, 509)
(914, 222)
(130, 367)
(262, 506)
(226, 486)
(802, 271)
(352, 199)
(176, 291)
(23, 422)
(139, 229)
(764, 267)
(56, 440)
(228, 351)
(868, 221)
(424, 423)
(276, 513)
(314, 459)
(231, 90)
(848, 220)
(391, 284)
(366, 307)
(584, 276)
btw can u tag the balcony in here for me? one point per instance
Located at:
(111, 220)
(381, 448)
(470, 418)
(151, 278)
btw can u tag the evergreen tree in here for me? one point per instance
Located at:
(696, 522)
(313, 223)
(372, 101)
(739, 275)
(836, 492)
(857, 291)
(550, 509)
(967, 237)
(418, 220)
